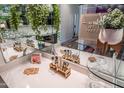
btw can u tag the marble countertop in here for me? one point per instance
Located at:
(15, 78)
(103, 64)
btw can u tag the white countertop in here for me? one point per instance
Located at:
(48, 77)
(15, 78)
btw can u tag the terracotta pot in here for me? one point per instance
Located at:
(111, 36)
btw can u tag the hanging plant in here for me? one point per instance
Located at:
(1, 7)
(14, 17)
(56, 17)
(37, 16)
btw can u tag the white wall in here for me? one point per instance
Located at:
(90, 8)
(67, 18)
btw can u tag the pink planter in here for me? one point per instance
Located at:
(111, 36)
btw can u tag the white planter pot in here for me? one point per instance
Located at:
(111, 36)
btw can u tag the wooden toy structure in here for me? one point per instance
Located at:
(18, 47)
(60, 67)
(71, 57)
(30, 43)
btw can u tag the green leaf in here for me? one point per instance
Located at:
(14, 17)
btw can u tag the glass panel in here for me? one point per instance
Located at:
(80, 31)
(103, 64)
(25, 39)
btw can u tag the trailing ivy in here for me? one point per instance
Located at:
(37, 16)
(56, 17)
(14, 17)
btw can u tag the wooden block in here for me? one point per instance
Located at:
(18, 49)
(92, 59)
(31, 71)
(65, 72)
(13, 57)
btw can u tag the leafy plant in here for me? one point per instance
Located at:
(113, 20)
(56, 17)
(37, 16)
(1, 6)
(3, 18)
(14, 17)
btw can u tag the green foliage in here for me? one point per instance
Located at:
(113, 19)
(3, 18)
(37, 16)
(56, 17)
(14, 17)
(39, 38)
(1, 6)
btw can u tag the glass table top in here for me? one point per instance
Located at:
(108, 69)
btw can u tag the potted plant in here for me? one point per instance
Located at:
(37, 16)
(112, 24)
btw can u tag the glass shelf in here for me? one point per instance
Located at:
(107, 69)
